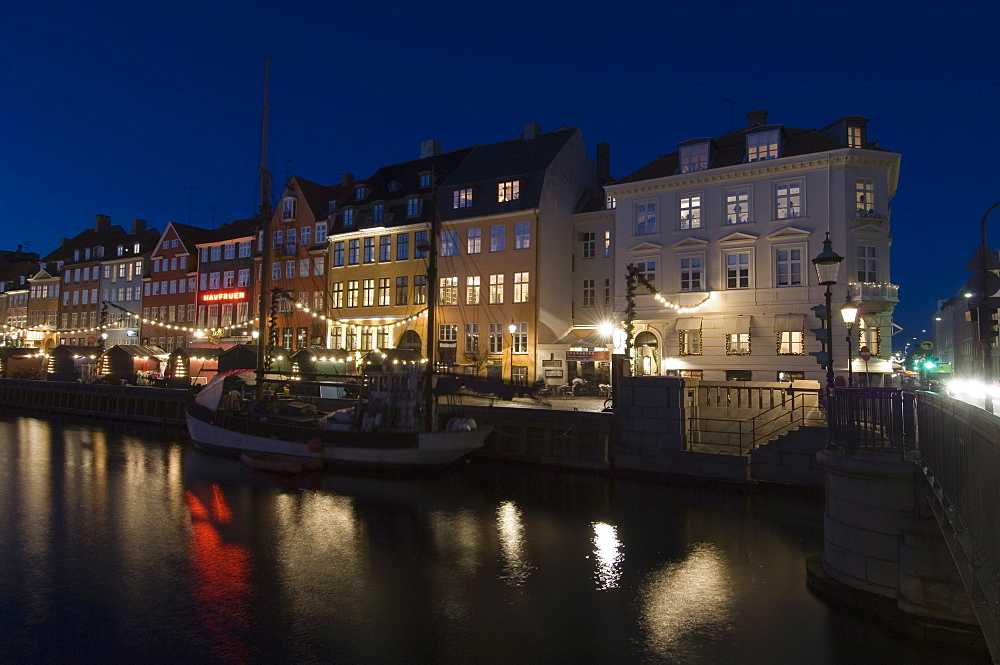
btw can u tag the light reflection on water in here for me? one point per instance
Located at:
(130, 543)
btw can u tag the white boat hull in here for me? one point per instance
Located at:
(432, 448)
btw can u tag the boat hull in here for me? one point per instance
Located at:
(397, 450)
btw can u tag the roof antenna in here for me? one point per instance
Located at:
(190, 189)
(732, 103)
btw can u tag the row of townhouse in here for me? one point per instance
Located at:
(535, 240)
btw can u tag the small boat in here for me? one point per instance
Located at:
(275, 463)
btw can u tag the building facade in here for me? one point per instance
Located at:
(725, 228)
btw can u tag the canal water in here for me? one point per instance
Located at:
(125, 545)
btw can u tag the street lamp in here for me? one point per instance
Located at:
(827, 265)
(513, 329)
(849, 312)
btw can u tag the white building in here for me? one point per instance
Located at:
(726, 229)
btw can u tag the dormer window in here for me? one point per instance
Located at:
(361, 192)
(694, 157)
(763, 145)
(462, 198)
(610, 202)
(120, 250)
(288, 208)
(425, 179)
(378, 212)
(855, 137)
(349, 218)
(86, 254)
(76, 255)
(99, 251)
(508, 191)
(412, 207)
(135, 248)
(393, 186)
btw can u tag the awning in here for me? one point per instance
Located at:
(737, 324)
(789, 323)
(688, 323)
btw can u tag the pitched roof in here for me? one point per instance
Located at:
(510, 158)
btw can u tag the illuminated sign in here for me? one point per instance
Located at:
(233, 295)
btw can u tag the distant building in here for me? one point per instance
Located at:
(227, 290)
(739, 218)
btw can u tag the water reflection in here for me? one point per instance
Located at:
(608, 555)
(690, 596)
(511, 531)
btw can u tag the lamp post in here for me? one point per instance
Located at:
(827, 265)
(849, 312)
(512, 328)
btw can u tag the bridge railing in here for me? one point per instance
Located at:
(960, 446)
(879, 420)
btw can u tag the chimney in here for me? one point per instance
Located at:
(101, 222)
(756, 118)
(138, 226)
(346, 178)
(430, 148)
(19, 245)
(604, 160)
(63, 241)
(531, 130)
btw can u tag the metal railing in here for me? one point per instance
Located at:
(960, 457)
(738, 436)
(877, 420)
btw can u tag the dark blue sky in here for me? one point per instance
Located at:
(152, 111)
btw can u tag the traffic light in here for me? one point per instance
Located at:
(822, 335)
(986, 323)
(820, 312)
(822, 357)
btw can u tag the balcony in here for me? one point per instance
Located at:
(875, 296)
(870, 216)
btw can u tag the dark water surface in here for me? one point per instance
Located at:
(124, 545)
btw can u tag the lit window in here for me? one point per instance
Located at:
(462, 198)
(474, 243)
(738, 206)
(737, 344)
(447, 332)
(496, 289)
(788, 200)
(338, 295)
(420, 289)
(610, 202)
(495, 340)
(519, 339)
(690, 212)
(689, 342)
(694, 157)
(854, 139)
(401, 290)
(790, 343)
(865, 193)
(352, 293)
(368, 293)
(738, 270)
(472, 338)
(645, 218)
(472, 290)
(763, 145)
(508, 191)
(520, 287)
(449, 291)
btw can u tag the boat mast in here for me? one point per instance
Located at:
(430, 415)
(265, 245)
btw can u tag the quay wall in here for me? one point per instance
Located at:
(161, 406)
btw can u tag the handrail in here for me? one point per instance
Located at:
(794, 409)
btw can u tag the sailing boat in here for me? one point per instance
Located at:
(391, 423)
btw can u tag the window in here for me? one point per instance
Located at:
(228, 279)
(243, 279)
(217, 251)
(288, 208)
(854, 137)
(449, 290)
(689, 342)
(447, 332)
(402, 246)
(368, 293)
(462, 198)
(291, 241)
(520, 287)
(420, 289)
(691, 273)
(401, 290)
(319, 266)
(738, 344)
(305, 237)
(120, 250)
(588, 293)
(690, 212)
(497, 236)
(353, 251)
(425, 179)
(867, 265)
(304, 267)
(589, 241)
(279, 238)
(290, 269)
(607, 244)
(788, 200)
(789, 267)
(522, 235)
(370, 250)
(275, 271)
(213, 281)
(648, 270)
(338, 295)
(738, 206)
(508, 191)
(229, 253)
(495, 339)
(449, 243)
(474, 241)
(385, 248)
(420, 244)
(349, 217)
(338, 253)
(519, 339)
(320, 232)
(865, 190)
(738, 270)
(496, 289)
(472, 290)
(762, 145)
(694, 157)
(361, 192)
(645, 218)
(412, 207)
(383, 291)
(378, 212)
(352, 293)
(471, 337)
(607, 292)
(790, 343)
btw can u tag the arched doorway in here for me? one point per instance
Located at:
(410, 340)
(647, 354)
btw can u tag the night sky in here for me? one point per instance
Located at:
(152, 111)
